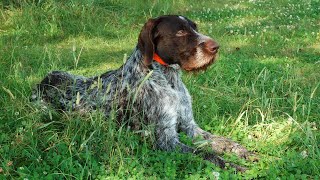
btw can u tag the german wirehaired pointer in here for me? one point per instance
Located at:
(147, 88)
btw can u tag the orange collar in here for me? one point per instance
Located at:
(157, 58)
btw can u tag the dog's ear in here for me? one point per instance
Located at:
(145, 41)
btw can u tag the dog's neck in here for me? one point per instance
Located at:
(134, 67)
(137, 58)
(158, 62)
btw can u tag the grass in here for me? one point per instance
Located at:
(263, 92)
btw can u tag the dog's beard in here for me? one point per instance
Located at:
(200, 61)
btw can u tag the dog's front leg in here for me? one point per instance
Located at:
(185, 115)
(167, 139)
(166, 128)
(161, 110)
(167, 136)
(167, 116)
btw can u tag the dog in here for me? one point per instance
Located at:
(147, 88)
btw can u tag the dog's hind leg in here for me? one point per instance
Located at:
(55, 88)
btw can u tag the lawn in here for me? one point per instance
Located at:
(263, 92)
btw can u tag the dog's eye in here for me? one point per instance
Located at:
(181, 33)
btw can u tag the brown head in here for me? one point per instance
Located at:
(177, 41)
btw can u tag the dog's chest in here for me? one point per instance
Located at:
(175, 84)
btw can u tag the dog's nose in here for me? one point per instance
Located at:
(211, 46)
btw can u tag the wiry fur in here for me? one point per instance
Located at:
(163, 98)
(152, 92)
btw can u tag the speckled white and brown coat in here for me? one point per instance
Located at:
(144, 91)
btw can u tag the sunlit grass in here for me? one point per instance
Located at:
(263, 91)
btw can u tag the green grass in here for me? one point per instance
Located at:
(263, 92)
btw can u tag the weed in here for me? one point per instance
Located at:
(263, 92)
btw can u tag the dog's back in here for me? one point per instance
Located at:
(65, 91)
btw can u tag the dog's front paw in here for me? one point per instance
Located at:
(222, 145)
